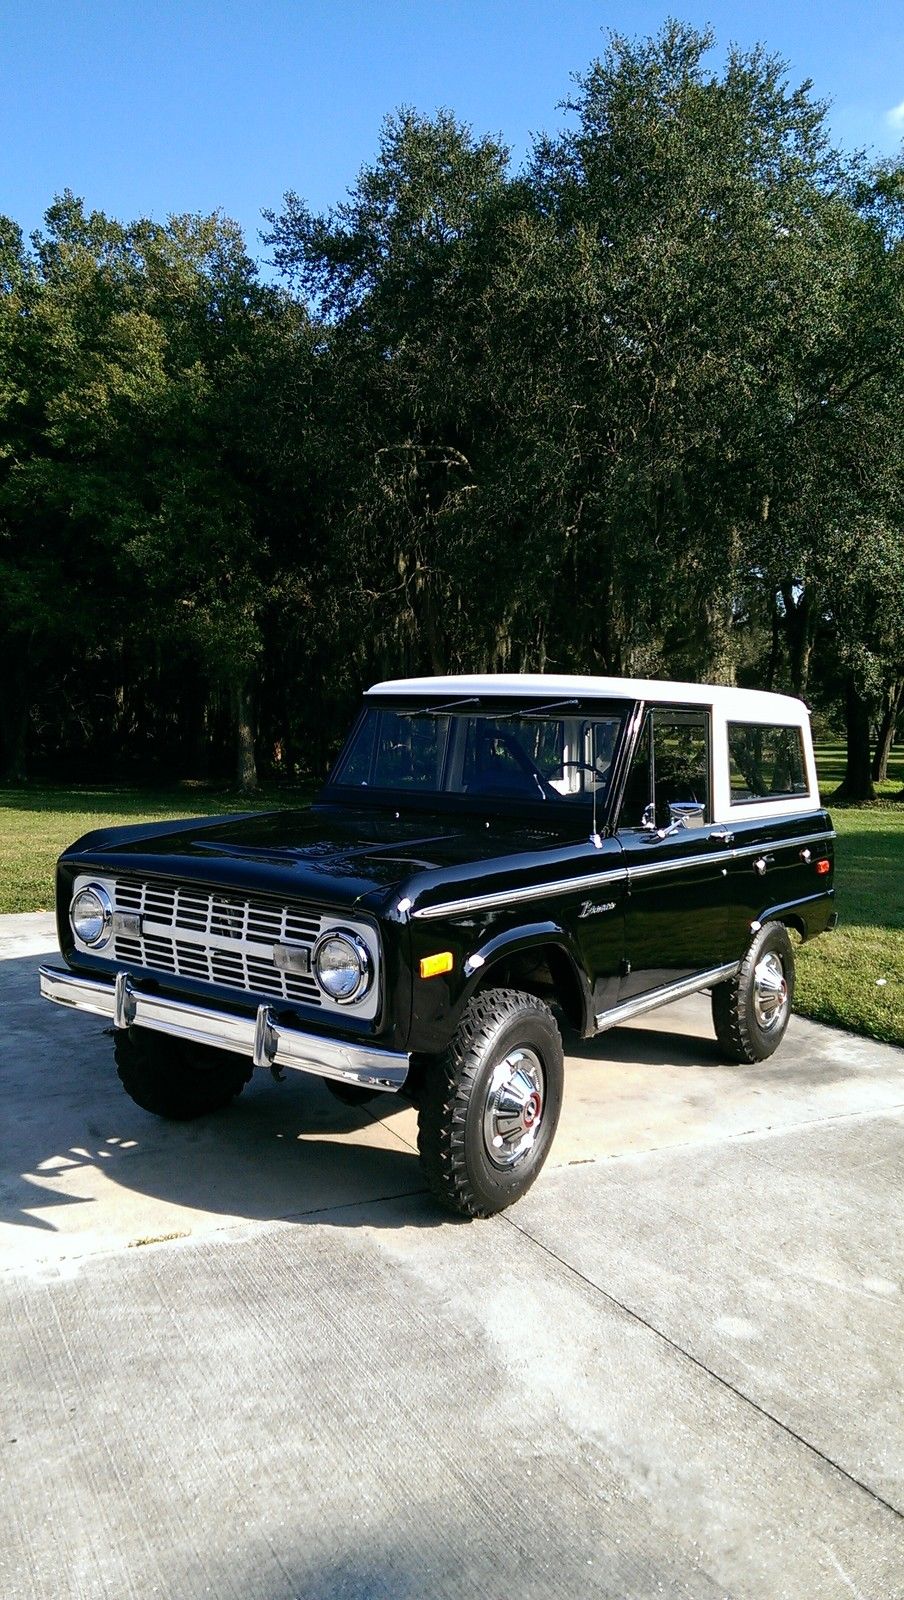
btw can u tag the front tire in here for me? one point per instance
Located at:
(350, 1094)
(752, 1010)
(174, 1078)
(489, 1107)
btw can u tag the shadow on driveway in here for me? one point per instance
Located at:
(75, 1142)
(81, 1162)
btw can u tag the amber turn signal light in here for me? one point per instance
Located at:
(823, 866)
(432, 966)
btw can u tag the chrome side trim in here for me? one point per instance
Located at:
(781, 844)
(647, 868)
(595, 880)
(662, 997)
(263, 1038)
(508, 897)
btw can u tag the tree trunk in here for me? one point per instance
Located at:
(14, 709)
(720, 644)
(719, 614)
(774, 647)
(196, 723)
(858, 781)
(246, 766)
(799, 612)
(892, 699)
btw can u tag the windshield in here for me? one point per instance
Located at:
(514, 756)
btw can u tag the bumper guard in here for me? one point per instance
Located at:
(266, 1040)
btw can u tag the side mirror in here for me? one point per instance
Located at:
(686, 814)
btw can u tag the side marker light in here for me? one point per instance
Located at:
(432, 966)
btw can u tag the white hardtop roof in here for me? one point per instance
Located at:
(748, 705)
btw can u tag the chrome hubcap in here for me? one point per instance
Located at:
(770, 992)
(514, 1107)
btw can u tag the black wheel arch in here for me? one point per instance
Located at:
(537, 958)
(807, 917)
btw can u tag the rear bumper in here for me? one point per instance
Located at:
(266, 1040)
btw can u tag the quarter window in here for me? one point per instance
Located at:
(765, 762)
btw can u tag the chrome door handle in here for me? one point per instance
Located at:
(722, 835)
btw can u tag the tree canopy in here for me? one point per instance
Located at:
(634, 408)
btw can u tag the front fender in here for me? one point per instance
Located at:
(531, 936)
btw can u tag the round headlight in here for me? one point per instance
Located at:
(342, 966)
(91, 915)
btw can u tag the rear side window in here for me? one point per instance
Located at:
(765, 762)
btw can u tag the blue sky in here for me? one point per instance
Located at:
(147, 107)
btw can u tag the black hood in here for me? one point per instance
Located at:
(327, 854)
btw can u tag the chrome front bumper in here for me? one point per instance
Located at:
(268, 1042)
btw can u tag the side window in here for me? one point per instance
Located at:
(765, 762)
(669, 775)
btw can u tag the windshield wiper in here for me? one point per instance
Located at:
(538, 711)
(475, 700)
(438, 711)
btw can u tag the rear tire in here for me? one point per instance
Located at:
(174, 1078)
(752, 1010)
(489, 1107)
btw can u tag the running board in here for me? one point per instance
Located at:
(663, 996)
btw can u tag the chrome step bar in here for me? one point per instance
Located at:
(263, 1037)
(662, 997)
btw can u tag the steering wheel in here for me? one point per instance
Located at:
(584, 766)
(523, 761)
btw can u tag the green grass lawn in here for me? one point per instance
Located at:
(853, 977)
(36, 825)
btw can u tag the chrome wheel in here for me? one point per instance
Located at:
(514, 1107)
(770, 992)
(488, 1109)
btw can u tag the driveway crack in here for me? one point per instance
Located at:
(717, 1377)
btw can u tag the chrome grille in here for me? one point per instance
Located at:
(219, 938)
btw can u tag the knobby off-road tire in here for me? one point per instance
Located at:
(751, 1011)
(489, 1107)
(174, 1078)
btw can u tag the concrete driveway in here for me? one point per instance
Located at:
(247, 1357)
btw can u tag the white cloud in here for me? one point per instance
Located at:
(895, 117)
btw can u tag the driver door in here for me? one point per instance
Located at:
(676, 923)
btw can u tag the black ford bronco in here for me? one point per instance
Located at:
(491, 858)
